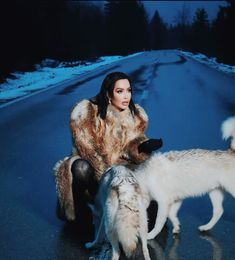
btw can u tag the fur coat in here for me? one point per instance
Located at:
(103, 143)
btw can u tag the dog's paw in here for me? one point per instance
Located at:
(89, 245)
(204, 228)
(176, 230)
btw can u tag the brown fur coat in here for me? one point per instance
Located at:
(101, 142)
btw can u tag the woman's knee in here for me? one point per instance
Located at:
(82, 171)
(84, 177)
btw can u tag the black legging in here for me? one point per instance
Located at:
(84, 177)
(83, 181)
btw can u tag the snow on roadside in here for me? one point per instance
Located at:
(48, 73)
(210, 62)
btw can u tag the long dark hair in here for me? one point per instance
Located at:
(106, 90)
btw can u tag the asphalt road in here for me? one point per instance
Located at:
(186, 103)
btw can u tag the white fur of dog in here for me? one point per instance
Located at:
(120, 213)
(167, 178)
(171, 177)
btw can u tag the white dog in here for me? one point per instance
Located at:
(167, 178)
(120, 213)
(171, 177)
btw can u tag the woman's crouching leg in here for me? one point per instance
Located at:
(84, 189)
(85, 184)
(76, 186)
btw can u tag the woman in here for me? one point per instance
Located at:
(106, 130)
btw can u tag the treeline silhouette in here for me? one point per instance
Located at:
(76, 30)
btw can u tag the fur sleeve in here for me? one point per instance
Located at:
(82, 126)
(131, 149)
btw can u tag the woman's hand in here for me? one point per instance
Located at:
(150, 145)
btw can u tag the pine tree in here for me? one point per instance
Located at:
(223, 30)
(157, 31)
(182, 29)
(201, 31)
(126, 25)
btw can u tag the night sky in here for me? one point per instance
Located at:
(168, 9)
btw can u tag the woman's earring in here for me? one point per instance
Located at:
(109, 101)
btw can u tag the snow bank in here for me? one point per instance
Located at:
(212, 62)
(47, 74)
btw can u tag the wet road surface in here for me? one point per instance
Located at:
(186, 103)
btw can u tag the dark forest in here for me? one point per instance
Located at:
(77, 30)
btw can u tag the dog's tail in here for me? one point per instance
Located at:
(228, 130)
(127, 221)
(127, 217)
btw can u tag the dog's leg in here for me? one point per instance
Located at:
(173, 216)
(99, 237)
(163, 208)
(216, 197)
(145, 249)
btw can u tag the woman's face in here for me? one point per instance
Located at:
(121, 94)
